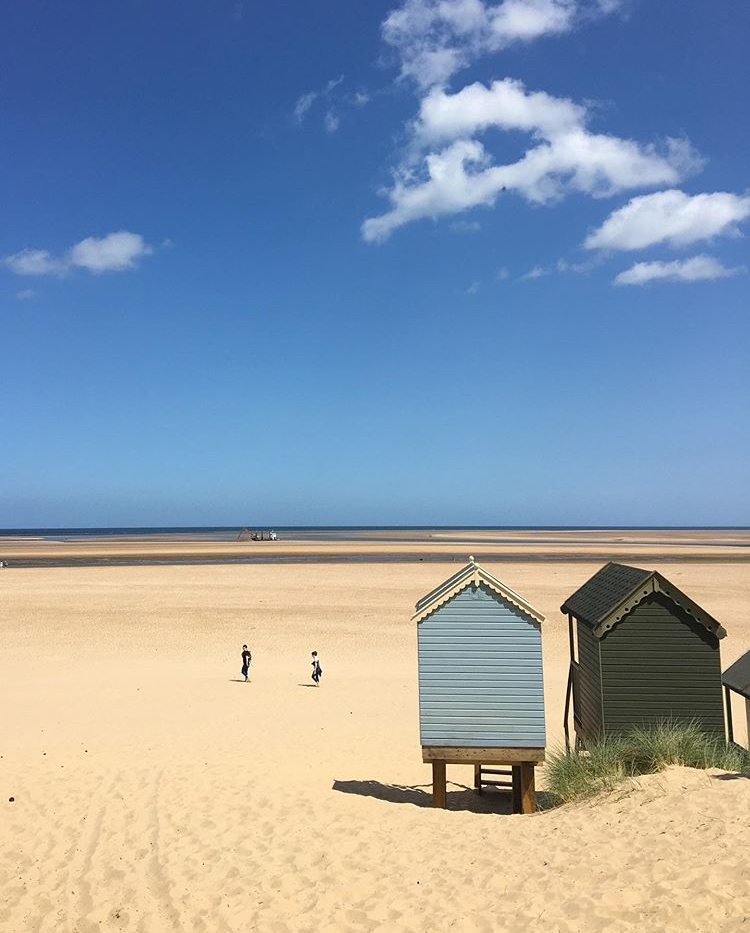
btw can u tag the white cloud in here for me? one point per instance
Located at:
(566, 156)
(25, 293)
(473, 289)
(331, 122)
(503, 274)
(436, 38)
(114, 252)
(504, 104)
(671, 217)
(695, 269)
(35, 262)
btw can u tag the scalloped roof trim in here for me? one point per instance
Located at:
(472, 573)
(656, 583)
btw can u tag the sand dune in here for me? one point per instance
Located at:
(154, 791)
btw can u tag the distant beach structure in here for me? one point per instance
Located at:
(481, 689)
(641, 651)
(736, 679)
(254, 534)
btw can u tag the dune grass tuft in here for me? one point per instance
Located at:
(643, 750)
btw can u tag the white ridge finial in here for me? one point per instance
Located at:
(471, 559)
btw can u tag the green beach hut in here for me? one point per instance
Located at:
(641, 651)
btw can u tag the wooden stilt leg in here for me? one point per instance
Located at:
(516, 788)
(438, 784)
(478, 778)
(528, 791)
(728, 707)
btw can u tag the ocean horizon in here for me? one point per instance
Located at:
(109, 531)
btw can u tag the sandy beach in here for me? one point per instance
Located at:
(154, 790)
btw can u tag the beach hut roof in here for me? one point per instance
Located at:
(737, 675)
(472, 573)
(616, 589)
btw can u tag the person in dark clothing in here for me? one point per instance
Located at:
(246, 659)
(317, 670)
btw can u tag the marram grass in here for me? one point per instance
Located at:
(643, 750)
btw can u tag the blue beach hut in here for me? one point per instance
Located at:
(481, 687)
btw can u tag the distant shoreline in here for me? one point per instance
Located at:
(118, 547)
(356, 559)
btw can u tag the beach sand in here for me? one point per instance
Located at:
(155, 791)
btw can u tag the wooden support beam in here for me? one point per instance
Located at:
(478, 778)
(728, 705)
(516, 788)
(438, 784)
(528, 791)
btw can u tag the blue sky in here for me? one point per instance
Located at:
(348, 263)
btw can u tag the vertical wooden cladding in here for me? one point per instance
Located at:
(589, 683)
(659, 663)
(480, 673)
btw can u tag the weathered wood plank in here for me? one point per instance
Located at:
(492, 756)
(528, 790)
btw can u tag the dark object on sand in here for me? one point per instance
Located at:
(736, 679)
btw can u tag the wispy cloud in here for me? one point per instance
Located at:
(696, 269)
(536, 273)
(331, 121)
(466, 226)
(565, 156)
(578, 268)
(303, 104)
(306, 101)
(25, 294)
(114, 252)
(35, 262)
(503, 274)
(473, 289)
(671, 217)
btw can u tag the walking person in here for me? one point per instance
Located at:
(246, 659)
(317, 670)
